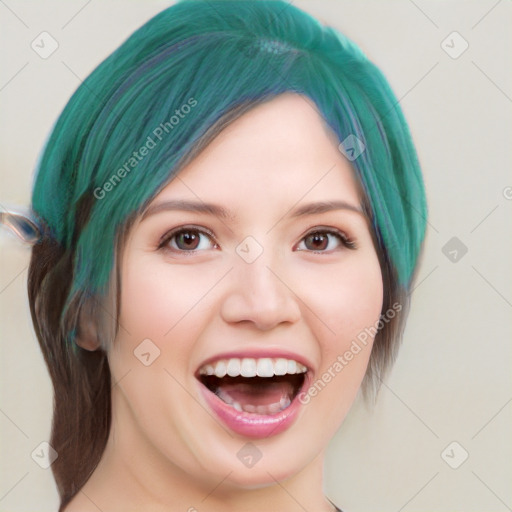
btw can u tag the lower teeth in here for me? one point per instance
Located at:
(265, 410)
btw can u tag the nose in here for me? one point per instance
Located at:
(260, 294)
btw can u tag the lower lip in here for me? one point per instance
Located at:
(256, 426)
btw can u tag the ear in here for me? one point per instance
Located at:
(87, 330)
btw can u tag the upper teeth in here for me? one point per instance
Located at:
(249, 367)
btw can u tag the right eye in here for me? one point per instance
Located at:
(187, 240)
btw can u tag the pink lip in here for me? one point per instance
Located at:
(255, 426)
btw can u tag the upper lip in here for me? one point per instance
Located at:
(257, 354)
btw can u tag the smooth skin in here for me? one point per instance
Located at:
(195, 296)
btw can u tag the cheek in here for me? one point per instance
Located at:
(350, 301)
(165, 305)
(349, 306)
(155, 311)
(156, 299)
(145, 309)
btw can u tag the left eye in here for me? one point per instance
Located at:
(319, 240)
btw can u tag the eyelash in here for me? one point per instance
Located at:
(163, 245)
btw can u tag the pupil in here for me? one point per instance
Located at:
(187, 237)
(316, 237)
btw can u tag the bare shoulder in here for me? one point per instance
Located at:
(81, 503)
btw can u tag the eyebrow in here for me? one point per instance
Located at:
(223, 213)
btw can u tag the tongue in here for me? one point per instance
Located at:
(261, 393)
(257, 396)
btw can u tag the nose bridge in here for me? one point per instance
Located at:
(258, 292)
(261, 283)
(260, 279)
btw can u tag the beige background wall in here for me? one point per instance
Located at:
(452, 381)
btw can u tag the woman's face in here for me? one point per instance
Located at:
(235, 280)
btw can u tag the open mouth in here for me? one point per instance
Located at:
(264, 386)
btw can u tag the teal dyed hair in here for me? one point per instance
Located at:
(131, 125)
(219, 53)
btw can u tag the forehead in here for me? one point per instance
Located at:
(279, 151)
